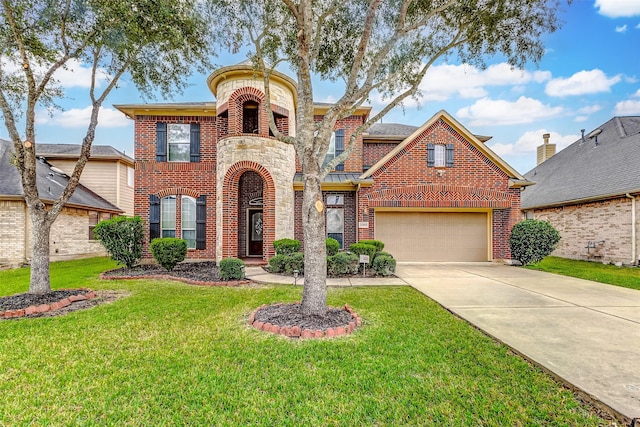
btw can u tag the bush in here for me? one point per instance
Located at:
(342, 263)
(531, 240)
(122, 237)
(333, 246)
(383, 265)
(382, 253)
(231, 269)
(168, 251)
(363, 249)
(377, 243)
(294, 261)
(286, 246)
(277, 264)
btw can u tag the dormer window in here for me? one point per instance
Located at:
(250, 117)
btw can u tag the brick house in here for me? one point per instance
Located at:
(589, 192)
(71, 233)
(211, 173)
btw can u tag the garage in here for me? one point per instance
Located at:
(434, 236)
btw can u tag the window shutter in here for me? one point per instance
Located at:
(161, 142)
(449, 155)
(431, 155)
(201, 222)
(195, 142)
(339, 147)
(154, 217)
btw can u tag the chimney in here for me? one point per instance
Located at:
(546, 150)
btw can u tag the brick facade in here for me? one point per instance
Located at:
(607, 224)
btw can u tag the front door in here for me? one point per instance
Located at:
(254, 232)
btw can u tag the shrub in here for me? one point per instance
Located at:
(286, 246)
(277, 264)
(342, 263)
(122, 237)
(294, 261)
(382, 253)
(168, 251)
(333, 246)
(383, 265)
(531, 240)
(363, 249)
(231, 269)
(377, 243)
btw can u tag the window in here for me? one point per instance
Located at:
(440, 155)
(250, 117)
(335, 217)
(130, 176)
(168, 216)
(336, 147)
(178, 139)
(188, 213)
(93, 221)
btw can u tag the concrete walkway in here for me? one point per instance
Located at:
(584, 332)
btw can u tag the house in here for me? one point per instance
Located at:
(589, 191)
(71, 233)
(210, 172)
(108, 172)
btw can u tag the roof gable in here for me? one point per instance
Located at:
(585, 171)
(458, 128)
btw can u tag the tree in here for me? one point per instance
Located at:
(381, 47)
(157, 42)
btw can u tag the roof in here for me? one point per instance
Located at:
(73, 151)
(50, 184)
(336, 180)
(395, 131)
(585, 171)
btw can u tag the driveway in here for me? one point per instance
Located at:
(584, 332)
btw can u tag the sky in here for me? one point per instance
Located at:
(589, 74)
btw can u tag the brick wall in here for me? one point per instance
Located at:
(13, 217)
(373, 152)
(607, 223)
(69, 236)
(250, 187)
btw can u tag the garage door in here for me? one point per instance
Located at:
(434, 236)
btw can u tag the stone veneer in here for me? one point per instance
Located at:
(278, 159)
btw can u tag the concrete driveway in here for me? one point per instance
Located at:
(584, 332)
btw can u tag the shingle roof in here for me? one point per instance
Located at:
(50, 184)
(390, 129)
(336, 177)
(584, 171)
(73, 150)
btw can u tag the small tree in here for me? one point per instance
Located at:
(122, 237)
(531, 240)
(168, 251)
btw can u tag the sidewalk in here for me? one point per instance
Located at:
(258, 274)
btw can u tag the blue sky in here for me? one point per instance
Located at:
(590, 73)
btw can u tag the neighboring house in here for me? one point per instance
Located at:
(71, 233)
(211, 173)
(108, 171)
(589, 191)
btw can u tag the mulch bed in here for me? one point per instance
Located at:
(203, 273)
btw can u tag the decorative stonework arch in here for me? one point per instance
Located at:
(178, 191)
(230, 222)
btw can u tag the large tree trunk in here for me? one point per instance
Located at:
(314, 296)
(40, 229)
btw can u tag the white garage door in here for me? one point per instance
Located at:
(434, 236)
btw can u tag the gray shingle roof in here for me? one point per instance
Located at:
(73, 150)
(391, 129)
(584, 171)
(50, 184)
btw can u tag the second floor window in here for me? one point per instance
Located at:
(178, 139)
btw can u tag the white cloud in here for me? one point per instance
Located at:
(590, 109)
(627, 108)
(621, 29)
(527, 144)
(581, 83)
(485, 112)
(580, 119)
(638, 27)
(618, 8)
(79, 118)
(74, 75)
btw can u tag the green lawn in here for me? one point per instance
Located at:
(175, 354)
(620, 276)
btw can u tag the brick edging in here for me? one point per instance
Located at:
(177, 279)
(43, 308)
(297, 332)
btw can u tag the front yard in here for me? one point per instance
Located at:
(177, 354)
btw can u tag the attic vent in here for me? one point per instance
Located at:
(595, 134)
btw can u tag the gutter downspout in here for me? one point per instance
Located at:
(634, 256)
(358, 212)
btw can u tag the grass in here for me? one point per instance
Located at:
(174, 354)
(598, 272)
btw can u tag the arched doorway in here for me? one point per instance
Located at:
(250, 215)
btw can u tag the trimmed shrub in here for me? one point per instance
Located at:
(286, 246)
(382, 253)
(383, 265)
(377, 243)
(122, 237)
(294, 261)
(231, 269)
(342, 263)
(363, 249)
(277, 264)
(168, 251)
(333, 246)
(531, 240)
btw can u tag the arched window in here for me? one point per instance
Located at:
(250, 117)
